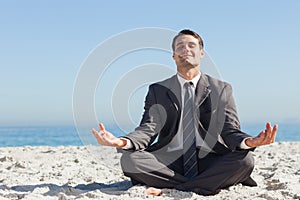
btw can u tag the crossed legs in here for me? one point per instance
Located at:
(165, 170)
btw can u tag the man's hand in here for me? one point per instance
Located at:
(108, 139)
(265, 137)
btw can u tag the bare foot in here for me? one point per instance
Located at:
(153, 191)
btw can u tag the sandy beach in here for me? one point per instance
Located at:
(89, 172)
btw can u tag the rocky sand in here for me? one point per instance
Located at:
(89, 172)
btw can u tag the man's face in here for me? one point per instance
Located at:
(187, 52)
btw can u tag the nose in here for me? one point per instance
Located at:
(185, 49)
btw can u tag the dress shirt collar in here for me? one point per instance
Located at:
(182, 81)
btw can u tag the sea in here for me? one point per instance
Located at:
(69, 135)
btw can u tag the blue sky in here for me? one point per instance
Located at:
(254, 44)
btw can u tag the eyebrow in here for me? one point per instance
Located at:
(179, 43)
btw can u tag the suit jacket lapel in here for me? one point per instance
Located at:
(202, 90)
(175, 92)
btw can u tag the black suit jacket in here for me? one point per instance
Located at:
(216, 116)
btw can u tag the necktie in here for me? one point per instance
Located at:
(189, 139)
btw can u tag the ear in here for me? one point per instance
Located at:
(202, 53)
(173, 56)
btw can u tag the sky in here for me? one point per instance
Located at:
(254, 45)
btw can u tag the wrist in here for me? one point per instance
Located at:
(120, 143)
(249, 142)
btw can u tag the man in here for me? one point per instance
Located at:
(189, 137)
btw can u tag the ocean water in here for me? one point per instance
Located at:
(67, 135)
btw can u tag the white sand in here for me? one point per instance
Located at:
(74, 173)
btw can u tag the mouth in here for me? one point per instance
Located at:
(185, 56)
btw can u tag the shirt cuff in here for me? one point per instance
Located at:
(128, 145)
(243, 144)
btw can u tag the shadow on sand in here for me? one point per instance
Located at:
(116, 188)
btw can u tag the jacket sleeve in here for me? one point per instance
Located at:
(231, 131)
(150, 125)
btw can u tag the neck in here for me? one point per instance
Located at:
(189, 74)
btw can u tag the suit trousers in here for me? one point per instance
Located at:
(165, 170)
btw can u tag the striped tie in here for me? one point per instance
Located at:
(189, 139)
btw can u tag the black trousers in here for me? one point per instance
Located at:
(165, 170)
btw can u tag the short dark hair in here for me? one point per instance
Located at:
(188, 32)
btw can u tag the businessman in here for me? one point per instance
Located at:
(189, 137)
